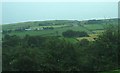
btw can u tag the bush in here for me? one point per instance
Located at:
(71, 33)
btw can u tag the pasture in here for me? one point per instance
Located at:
(59, 26)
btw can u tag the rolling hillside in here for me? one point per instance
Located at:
(56, 27)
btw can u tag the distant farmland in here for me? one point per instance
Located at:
(43, 28)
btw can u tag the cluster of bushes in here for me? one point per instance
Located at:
(36, 53)
(44, 24)
(94, 21)
(71, 33)
(6, 31)
(48, 28)
(17, 29)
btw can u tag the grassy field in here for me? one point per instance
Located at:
(37, 23)
(59, 26)
(54, 26)
(94, 26)
(90, 38)
(49, 32)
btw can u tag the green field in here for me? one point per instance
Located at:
(59, 27)
(49, 32)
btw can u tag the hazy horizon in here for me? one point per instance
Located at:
(58, 19)
(14, 12)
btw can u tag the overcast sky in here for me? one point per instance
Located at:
(60, 0)
(13, 12)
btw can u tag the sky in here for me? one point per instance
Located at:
(13, 12)
(60, 0)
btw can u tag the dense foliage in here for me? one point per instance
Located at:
(94, 22)
(71, 33)
(36, 53)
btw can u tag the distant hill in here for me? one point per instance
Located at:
(57, 22)
(56, 27)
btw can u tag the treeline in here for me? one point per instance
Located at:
(94, 21)
(36, 53)
(71, 33)
(20, 29)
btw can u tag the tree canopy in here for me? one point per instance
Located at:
(37, 53)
